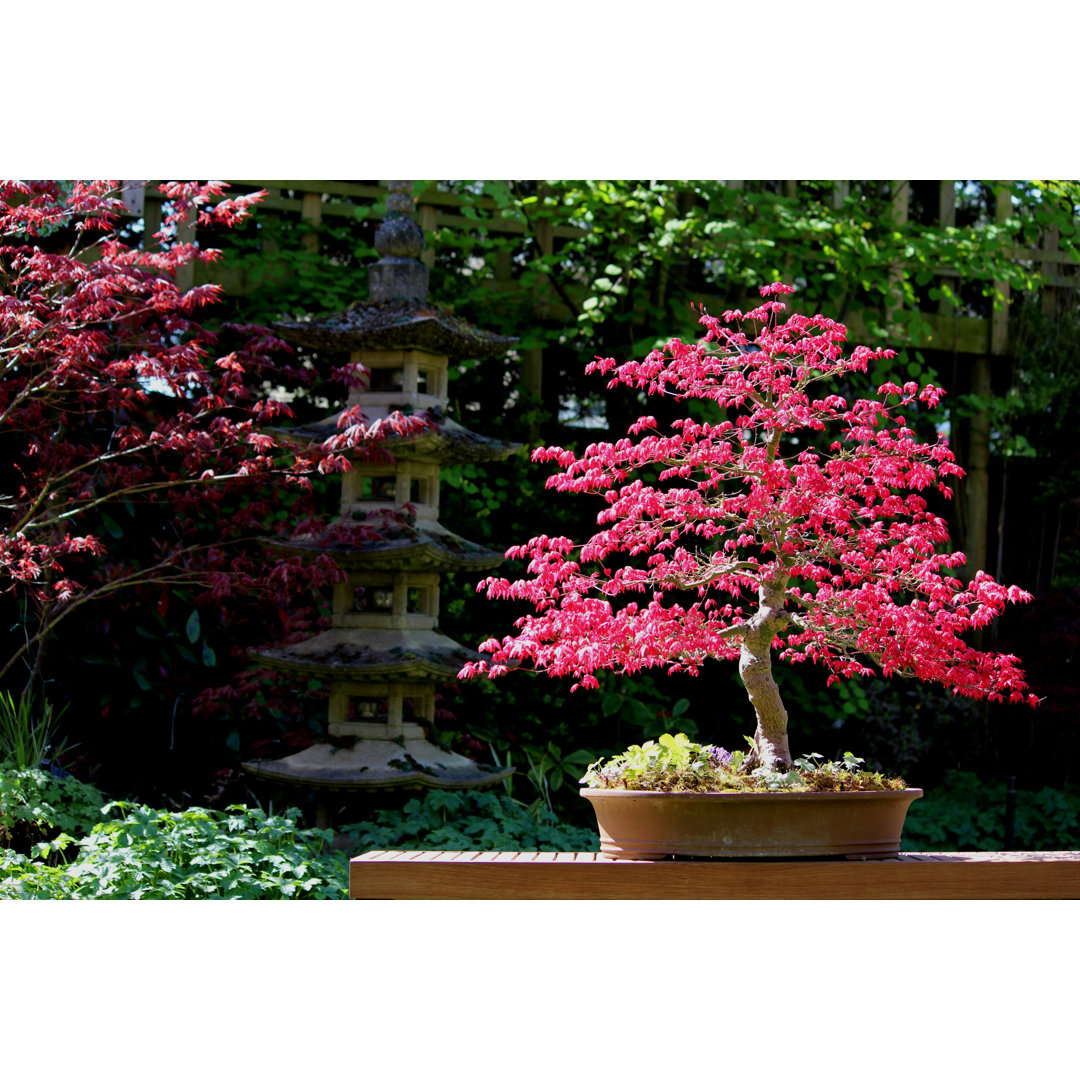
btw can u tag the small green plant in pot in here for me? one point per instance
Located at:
(674, 763)
(792, 522)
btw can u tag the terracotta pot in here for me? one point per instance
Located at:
(741, 825)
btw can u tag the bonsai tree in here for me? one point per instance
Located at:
(789, 521)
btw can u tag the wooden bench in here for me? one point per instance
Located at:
(488, 875)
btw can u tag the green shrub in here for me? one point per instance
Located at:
(468, 821)
(36, 805)
(967, 814)
(187, 855)
(31, 878)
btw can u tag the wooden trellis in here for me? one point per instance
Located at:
(315, 200)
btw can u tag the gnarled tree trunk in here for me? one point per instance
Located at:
(755, 669)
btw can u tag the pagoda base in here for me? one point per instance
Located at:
(377, 763)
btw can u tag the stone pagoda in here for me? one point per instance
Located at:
(384, 654)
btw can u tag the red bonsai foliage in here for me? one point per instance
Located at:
(751, 532)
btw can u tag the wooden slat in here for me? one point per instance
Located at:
(589, 876)
(999, 318)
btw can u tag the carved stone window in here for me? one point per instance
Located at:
(387, 379)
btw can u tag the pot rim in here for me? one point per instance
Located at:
(603, 793)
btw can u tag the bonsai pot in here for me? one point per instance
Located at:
(753, 824)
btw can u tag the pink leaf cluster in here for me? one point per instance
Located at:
(107, 389)
(789, 486)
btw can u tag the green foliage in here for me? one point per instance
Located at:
(548, 771)
(35, 803)
(273, 256)
(967, 814)
(674, 763)
(904, 725)
(814, 773)
(468, 821)
(638, 712)
(645, 250)
(194, 854)
(671, 763)
(25, 877)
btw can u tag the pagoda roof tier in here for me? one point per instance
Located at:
(377, 763)
(396, 324)
(370, 654)
(425, 546)
(443, 441)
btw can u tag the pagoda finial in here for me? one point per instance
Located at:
(399, 240)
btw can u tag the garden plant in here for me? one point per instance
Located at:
(775, 516)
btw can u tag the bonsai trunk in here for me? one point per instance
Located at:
(755, 669)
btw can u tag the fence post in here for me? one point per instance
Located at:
(532, 360)
(268, 233)
(899, 202)
(1050, 270)
(999, 325)
(947, 220)
(311, 211)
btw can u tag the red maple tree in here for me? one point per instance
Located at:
(114, 393)
(753, 531)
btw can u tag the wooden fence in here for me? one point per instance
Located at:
(315, 200)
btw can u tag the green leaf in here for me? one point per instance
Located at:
(140, 678)
(193, 627)
(209, 658)
(610, 703)
(111, 527)
(637, 712)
